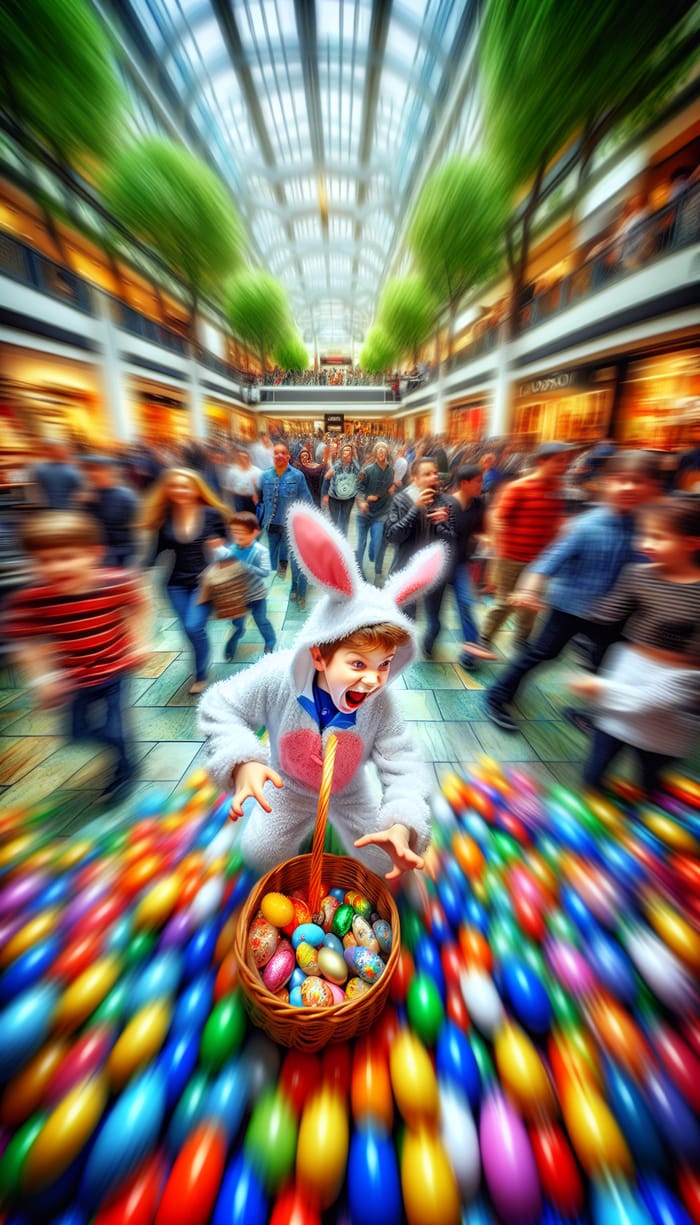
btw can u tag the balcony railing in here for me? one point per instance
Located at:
(136, 324)
(29, 267)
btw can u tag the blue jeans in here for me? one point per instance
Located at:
(605, 749)
(431, 607)
(193, 619)
(258, 611)
(277, 545)
(558, 630)
(339, 510)
(374, 528)
(461, 584)
(96, 714)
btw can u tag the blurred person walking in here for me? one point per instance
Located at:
(242, 481)
(115, 506)
(56, 478)
(340, 487)
(280, 486)
(375, 486)
(312, 473)
(188, 519)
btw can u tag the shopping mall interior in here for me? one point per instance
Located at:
(426, 242)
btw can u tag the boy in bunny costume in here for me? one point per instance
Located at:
(304, 694)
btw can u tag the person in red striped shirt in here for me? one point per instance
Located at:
(77, 630)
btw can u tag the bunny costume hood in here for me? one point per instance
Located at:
(277, 694)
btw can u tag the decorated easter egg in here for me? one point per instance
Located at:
(342, 920)
(279, 967)
(355, 987)
(359, 903)
(332, 942)
(300, 914)
(277, 908)
(309, 933)
(316, 992)
(263, 938)
(329, 905)
(307, 958)
(384, 934)
(364, 962)
(364, 934)
(349, 941)
(332, 966)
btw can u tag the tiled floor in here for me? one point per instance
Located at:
(442, 702)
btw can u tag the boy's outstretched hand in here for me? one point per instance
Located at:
(248, 780)
(395, 841)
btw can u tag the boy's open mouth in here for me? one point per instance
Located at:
(354, 697)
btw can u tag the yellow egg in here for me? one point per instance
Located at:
(307, 958)
(322, 1147)
(413, 1079)
(522, 1071)
(42, 925)
(158, 903)
(593, 1130)
(332, 966)
(316, 992)
(139, 1043)
(277, 909)
(85, 993)
(356, 987)
(65, 1132)
(430, 1192)
(676, 932)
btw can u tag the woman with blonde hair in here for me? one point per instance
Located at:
(188, 518)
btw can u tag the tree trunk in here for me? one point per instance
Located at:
(519, 267)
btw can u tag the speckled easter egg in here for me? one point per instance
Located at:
(355, 987)
(307, 958)
(342, 920)
(329, 905)
(263, 939)
(364, 962)
(279, 967)
(301, 914)
(316, 993)
(311, 933)
(277, 908)
(384, 934)
(359, 903)
(364, 935)
(332, 966)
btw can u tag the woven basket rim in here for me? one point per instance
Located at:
(263, 996)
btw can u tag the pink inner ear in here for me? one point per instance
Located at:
(320, 555)
(418, 579)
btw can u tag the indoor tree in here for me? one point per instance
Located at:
(290, 352)
(257, 309)
(379, 351)
(408, 312)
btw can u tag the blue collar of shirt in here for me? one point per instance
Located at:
(319, 704)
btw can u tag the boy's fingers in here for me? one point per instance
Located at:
(366, 839)
(275, 778)
(259, 795)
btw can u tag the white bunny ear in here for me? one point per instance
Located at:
(424, 571)
(322, 551)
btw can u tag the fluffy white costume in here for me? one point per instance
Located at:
(277, 693)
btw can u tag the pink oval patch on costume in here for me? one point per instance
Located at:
(300, 755)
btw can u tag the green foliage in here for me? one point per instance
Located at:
(258, 312)
(407, 312)
(290, 352)
(57, 76)
(379, 351)
(457, 227)
(167, 197)
(550, 67)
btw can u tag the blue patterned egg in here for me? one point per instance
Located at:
(364, 935)
(384, 934)
(365, 963)
(307, 958)
(309, 932)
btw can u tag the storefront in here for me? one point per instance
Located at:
(567, 405)
(162, 419)
(51, 397)
(660, 400)
(468, 420)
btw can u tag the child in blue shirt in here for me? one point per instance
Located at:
(247, 549)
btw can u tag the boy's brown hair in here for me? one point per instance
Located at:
(366, 638)
(59, 529)
(246, 519)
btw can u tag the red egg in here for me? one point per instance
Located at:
(86, 1055)
(558, 1172)
(193, 1184)
(456, 1009)
(103, 913)
(529, 917)
(302, 914)
(335, 1067)
(682, 1065)
(293, 1207)
(136, 1200)
(78, 955)
(453, 964)
(689, 1187)
(404, 972)
(300, 1076)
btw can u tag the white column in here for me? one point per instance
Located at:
(500, 417)
(439, 422)
(197, 422)
(116, 393)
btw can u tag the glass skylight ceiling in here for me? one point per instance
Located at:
(318, 116)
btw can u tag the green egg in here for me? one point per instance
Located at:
(342, 920)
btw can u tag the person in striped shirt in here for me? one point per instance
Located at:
(77, 630)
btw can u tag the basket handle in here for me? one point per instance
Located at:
(324, 797)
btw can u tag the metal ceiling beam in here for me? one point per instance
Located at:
(305, 13)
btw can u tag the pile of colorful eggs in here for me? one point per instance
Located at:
(329, 958)
(538, 1060)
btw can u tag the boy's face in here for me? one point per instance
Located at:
(242, 536)
(351, 676)
(66, 566)
(625, 491)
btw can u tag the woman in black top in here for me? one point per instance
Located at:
(312, 472)
(188, 518)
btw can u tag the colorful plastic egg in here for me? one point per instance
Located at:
(263, 938)
(365, 963)
(307, 957)
(300, 914)
(316, 992)
(332, 966)
(279, 967)
(360, 904)
(308, 933)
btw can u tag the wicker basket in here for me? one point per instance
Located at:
(310, 1029)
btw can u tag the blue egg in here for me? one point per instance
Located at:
(195, 1004)
(120, 934)
(159, 978)
(374, 1189)
(241, 889)
(632, 1114)
(612, 966)
(295, 997)
(177, 1062)
(615, 1203)
(57, 891)
(126, 1136)
(451, 899)
(189, 1111)
(456, 1062)
(199, 950)
(227, 1098)
(675, 1119)
(331, 941)
(427, 961)
(241, 1198)
(154, 803)
(663, 1207)
(338, 893)
(24, 1024)
(440, 929)
(298, 975)
(28, 968)
(476, 915)
(310, 933)
(576, 909)
(527, 995)
(477, 828)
